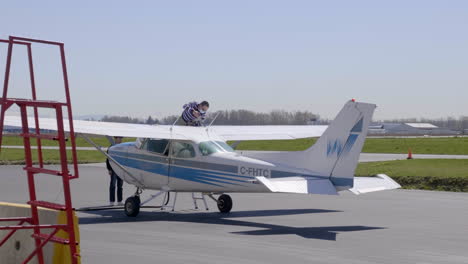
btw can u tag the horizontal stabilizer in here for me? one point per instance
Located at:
(379, 182)
(299, 185)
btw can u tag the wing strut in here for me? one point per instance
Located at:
(99, 148)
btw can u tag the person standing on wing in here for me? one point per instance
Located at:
(194, 113)
(115, 180)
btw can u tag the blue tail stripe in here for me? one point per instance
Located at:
(350, 142)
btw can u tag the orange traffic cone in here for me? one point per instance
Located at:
(410, 154)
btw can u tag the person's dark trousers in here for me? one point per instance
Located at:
(114, 179)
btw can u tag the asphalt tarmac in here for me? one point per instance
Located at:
(399, 226)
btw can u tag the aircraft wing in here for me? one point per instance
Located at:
(235, 133)
(99, 128)
(180, 132)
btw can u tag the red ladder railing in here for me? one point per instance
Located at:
(33, 222)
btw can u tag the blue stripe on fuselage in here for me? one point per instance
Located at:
(185, 173)
(191, 170)
(157, 168)
(226, 170)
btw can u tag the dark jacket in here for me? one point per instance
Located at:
(109, 168)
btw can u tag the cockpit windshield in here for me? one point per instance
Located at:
(210, 147)
(225, 146)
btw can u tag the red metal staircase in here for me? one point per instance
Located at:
(40, 234)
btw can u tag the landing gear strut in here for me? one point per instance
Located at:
(224, 203)
(133, 203)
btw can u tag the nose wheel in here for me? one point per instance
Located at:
(132, 206)
(224, 203)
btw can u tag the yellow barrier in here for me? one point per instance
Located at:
(21, 244)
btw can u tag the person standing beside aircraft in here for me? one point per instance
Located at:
(114, 179)
(194, 113)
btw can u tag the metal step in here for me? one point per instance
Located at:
(45, 171)
(15, 219)
(35, 103)
(18, 227)
(55, 239)
(48, 205)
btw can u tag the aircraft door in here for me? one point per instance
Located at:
(156, 161)
(180, 155)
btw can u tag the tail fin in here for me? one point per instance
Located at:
(336, 153)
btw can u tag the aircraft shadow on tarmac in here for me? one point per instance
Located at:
(262, 229)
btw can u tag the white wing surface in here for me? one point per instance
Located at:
(97, 128)
(179, 132)
(267, 132)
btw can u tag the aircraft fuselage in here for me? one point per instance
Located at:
(217, 172)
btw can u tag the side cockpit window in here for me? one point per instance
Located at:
(182, 150)
(159, 146)
(210, 147)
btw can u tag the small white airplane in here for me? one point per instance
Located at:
(198, 159)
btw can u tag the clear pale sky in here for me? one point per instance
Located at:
(149, 57)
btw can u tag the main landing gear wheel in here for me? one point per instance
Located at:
(132, 206)
(224, 203)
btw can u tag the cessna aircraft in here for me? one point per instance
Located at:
(198, 159)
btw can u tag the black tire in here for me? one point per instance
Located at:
(132, 206)
(224, 203)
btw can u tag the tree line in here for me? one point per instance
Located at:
(233, 117)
